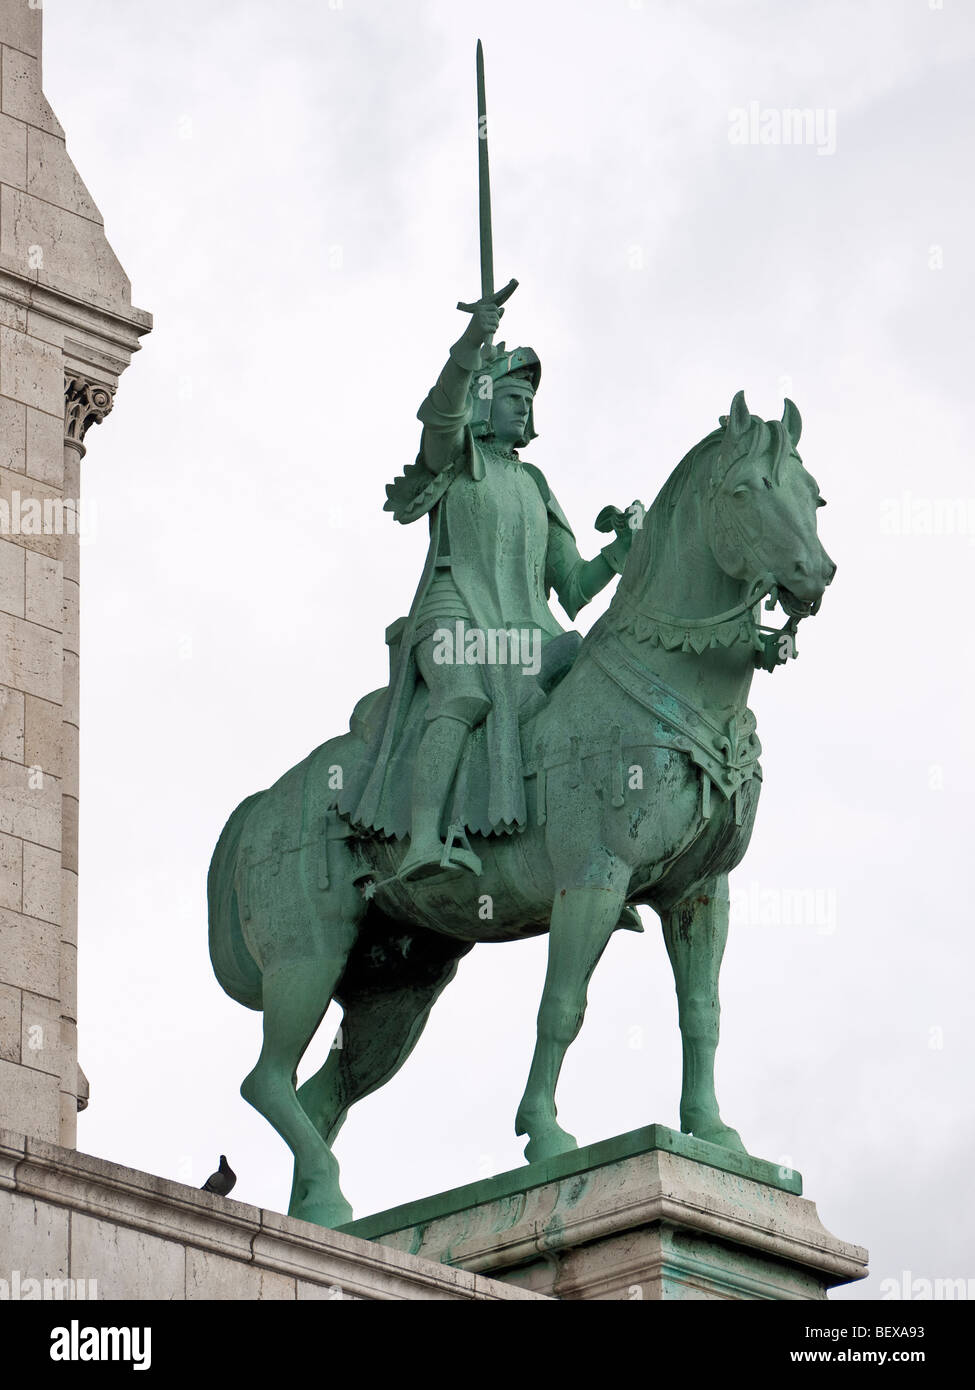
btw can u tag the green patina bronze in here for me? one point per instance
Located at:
(502, 1186)
(513, 778)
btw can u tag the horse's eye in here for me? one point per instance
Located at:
(767, 484)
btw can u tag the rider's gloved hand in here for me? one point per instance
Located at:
(623, 523)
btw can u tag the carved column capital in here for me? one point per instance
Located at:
(85, 403)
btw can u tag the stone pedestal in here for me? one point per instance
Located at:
(648, 1215)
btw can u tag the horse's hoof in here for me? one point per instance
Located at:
(331, 1214)
(724, 1137)
(320, 1203)
(537, 1150)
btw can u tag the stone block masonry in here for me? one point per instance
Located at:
(92, 1230)
(68, 330)
(651, 1215)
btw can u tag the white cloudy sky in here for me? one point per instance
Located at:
(242, 571)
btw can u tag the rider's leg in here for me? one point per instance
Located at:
(458, 701)
(436, 764)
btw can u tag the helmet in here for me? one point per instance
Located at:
(520, 362)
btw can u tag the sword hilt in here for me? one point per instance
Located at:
(498, 298)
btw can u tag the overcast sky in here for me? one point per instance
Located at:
(292, 190)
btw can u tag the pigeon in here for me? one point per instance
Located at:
(222, 1181)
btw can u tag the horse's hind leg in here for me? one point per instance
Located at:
(394, 976)
(695, 932)
(297, 991)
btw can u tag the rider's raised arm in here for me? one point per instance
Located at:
(446, 412)
(575, 580)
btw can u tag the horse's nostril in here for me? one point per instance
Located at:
(799, 570)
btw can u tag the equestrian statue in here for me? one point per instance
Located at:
(513, 778)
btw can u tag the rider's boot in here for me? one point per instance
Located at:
(436, 763)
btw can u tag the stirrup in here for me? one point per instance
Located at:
(457, 850)
(422, 868)
(443, 862)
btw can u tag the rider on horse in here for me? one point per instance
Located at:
(499, 544)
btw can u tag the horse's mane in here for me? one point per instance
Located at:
(658, 518)
(695, 470)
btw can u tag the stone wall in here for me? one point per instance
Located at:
(67, 331)
(73, 1226)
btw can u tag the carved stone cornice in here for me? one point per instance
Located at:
(99, 338)
(86, 403)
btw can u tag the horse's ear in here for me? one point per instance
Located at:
(791, 421)
(740, 419)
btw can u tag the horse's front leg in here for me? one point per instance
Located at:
(583, 920)
(695, 931)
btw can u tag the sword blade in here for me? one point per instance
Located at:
(484, 184)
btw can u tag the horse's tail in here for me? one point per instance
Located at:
(235, 968)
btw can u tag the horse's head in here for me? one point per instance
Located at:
(763, 507)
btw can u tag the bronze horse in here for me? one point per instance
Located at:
(642, 786)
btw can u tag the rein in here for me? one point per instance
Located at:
(762, 586)
(697, 634)
(721, 629)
